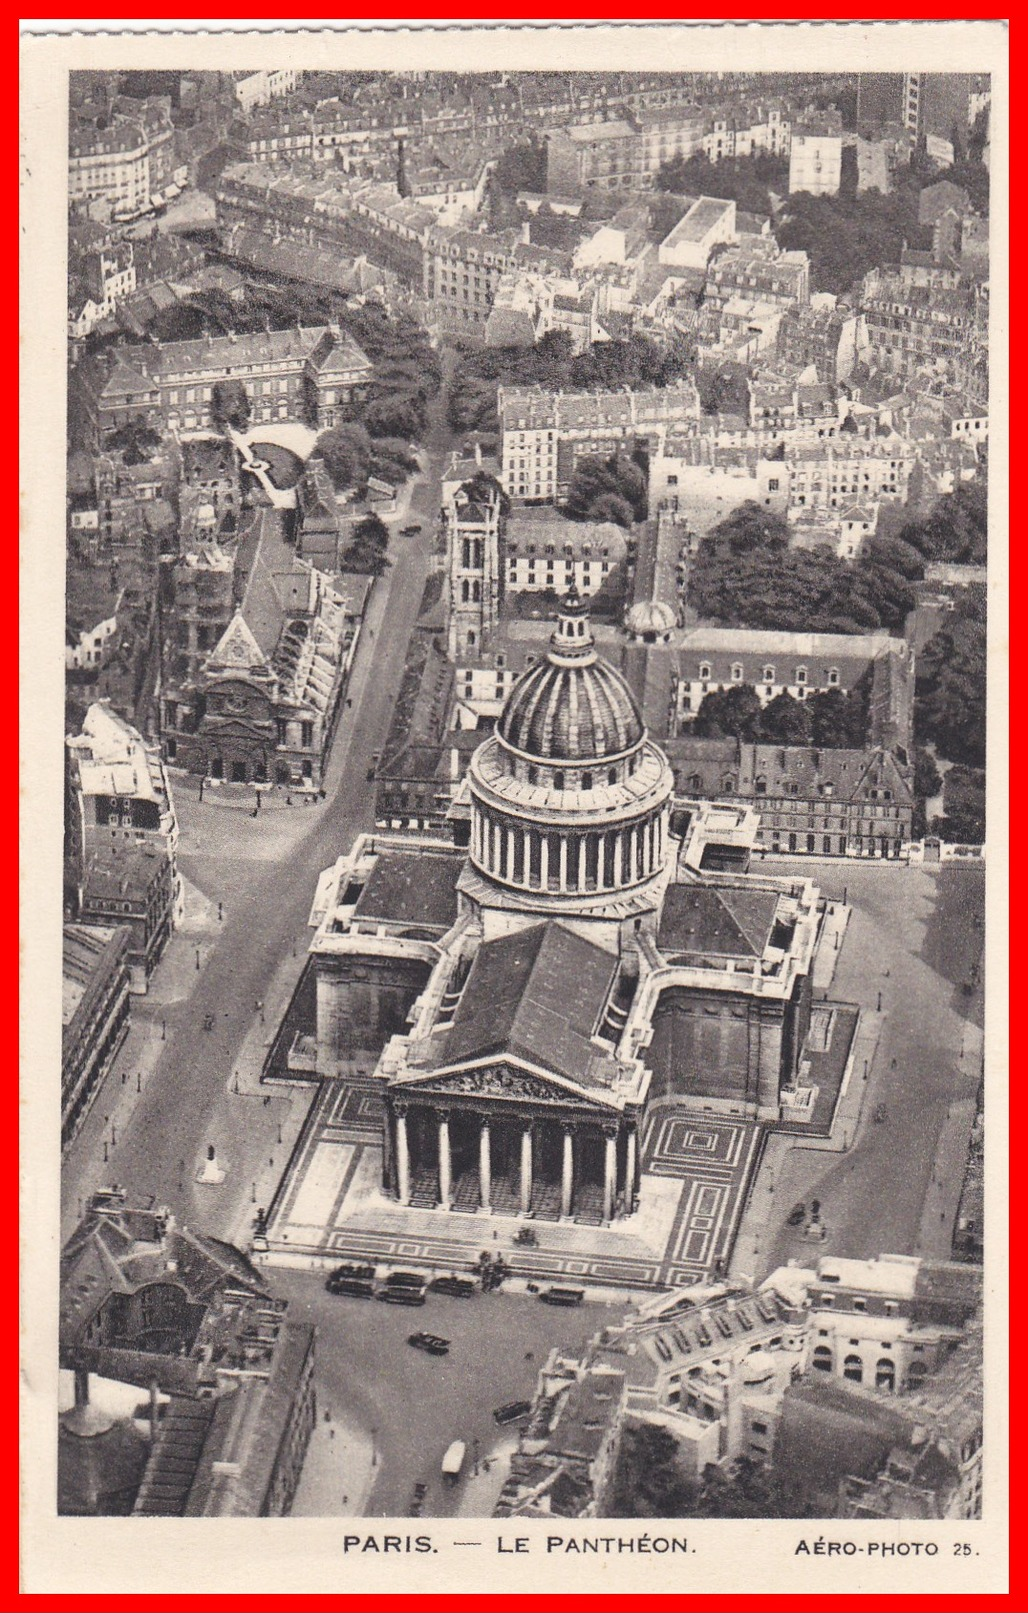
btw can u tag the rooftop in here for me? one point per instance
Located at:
(538, 994)
(412, 887)
(717, 921)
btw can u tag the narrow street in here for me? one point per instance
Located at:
(263, 874)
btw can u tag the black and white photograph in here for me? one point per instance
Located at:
(523, 989)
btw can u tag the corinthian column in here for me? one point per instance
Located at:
(402, 1156)
(444, 1158)
(485, 1184)
(526, 1169)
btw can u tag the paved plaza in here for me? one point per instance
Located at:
(695, 1173)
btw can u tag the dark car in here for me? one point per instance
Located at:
(512, 1413)
(457, 1287)
(352, 1279)
(401, 1296)
(410, 531)
(797, 1214)
(431, 1343)
(560, 1295)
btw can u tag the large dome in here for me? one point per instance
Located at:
(572, 707)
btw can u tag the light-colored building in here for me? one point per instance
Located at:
(595, 156)
(708, 223)
(258, 88)
(543, 552)
(815, 156)
(120, 804)
(546, 433)
(94, 1015)
(110, 165)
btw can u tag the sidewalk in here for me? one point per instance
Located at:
(339, 1468)
(761, 1208)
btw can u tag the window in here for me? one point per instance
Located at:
(853, 1369)
(822, 1360)
(801, 674)
(736, 672)
(704, 670)
(769, 674)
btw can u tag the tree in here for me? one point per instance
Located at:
(786, 721)
(734, 713)
(957, 528)
(611, 489)
(749, 526)
(648, 1480)
(748, 181)
(963, 805)
(366, 550)
(949, 707)
(346, 451)
(521, 167)
(723, 389)
(837, 720)
(230, 404)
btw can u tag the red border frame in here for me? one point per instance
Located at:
(1017, 1597)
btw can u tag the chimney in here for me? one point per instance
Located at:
(478, 452)
(81, 1387)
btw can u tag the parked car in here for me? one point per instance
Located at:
(410, 531)
(352, 1278)
(457, 1287)
(404, 1288)
(560, 1295)
(453, 1461)
(513, 1412)
(797, 1214)
(431, 1343)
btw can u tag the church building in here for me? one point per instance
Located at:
(578, 951)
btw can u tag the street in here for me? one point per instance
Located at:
(263, 872)
(914, 935)
(399, 1409)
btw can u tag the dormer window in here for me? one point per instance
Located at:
(833, 677)
(736, 673)
(769, 674)
(704, 670)
(801, 674)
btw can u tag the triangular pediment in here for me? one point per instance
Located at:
(507, 1081)
(238, 648)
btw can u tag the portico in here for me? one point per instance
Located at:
(472, 1159)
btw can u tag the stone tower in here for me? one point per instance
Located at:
(472, 516)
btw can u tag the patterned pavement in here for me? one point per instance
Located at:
(696, 1173)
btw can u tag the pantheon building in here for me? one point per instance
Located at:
(582, 947)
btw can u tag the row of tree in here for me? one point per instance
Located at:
(552, 363)
(747, 181)
(830, 718)
(745, 575)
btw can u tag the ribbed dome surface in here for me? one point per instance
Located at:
(571, 713)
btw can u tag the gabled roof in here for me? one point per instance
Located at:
(722, 921)
(538, 994)
(237, 647)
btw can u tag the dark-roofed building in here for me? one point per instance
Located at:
(565, 1463)
(94, 1015)
(147, 1302)
(305, 372)
(260, 706)
(813, 800)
